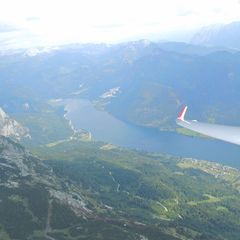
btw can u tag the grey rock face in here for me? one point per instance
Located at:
(19, 167)
(11, 128)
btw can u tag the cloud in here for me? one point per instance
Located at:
(185, 13)
(30, 19)
(109, 26)
(19, 39)
(7, 28)
(67, 21)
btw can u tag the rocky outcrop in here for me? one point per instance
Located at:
(33, 193)
(11, 128)
(18, 166)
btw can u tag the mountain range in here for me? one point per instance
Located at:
(153, 80)
(220, 35)
(72, 188)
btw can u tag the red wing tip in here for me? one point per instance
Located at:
(182, 114)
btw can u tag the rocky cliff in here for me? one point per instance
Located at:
(31, 193)
(11, 128)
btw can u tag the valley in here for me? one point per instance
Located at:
(104, 159)
(102, 126)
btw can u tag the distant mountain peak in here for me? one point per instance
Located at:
(224, 35)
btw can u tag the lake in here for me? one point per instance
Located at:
(107, 128)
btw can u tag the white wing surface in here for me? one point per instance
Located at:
(226, 133)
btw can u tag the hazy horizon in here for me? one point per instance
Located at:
(27, 23)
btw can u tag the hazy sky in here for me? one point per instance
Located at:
(31, 22)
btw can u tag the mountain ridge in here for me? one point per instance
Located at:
(22, 174)
(11, 128)
(37, 204)
(220, 35)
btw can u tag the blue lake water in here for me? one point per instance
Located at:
(107, 128)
